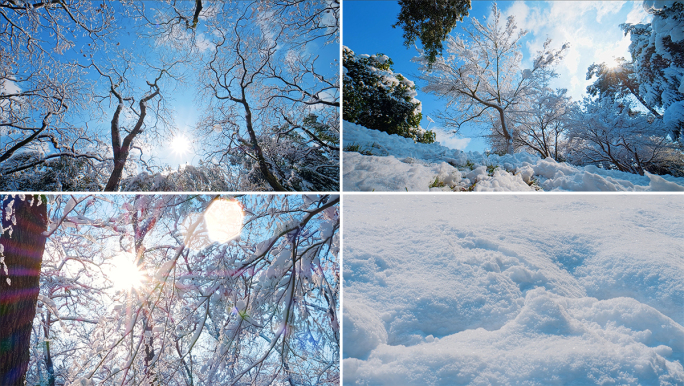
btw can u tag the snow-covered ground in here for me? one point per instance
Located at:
(399, 164)
(527, 289)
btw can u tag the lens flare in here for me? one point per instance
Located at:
(223, 219)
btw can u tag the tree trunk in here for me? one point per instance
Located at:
(263, 166)
(115, 177)
(23, 255)
(507, 135)
(48, 365)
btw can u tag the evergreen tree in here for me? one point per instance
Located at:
(431, 21)
(379, 99)
(657, 51)
(616, 82)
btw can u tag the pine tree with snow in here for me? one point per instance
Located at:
(431, 21)
(617, 82)
(379, 99)
(657, 51)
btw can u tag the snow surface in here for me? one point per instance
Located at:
(399, 164)
(529, 290)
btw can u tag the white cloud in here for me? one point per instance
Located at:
(265, 22)
(203, 43)
(607, 7)
(614, 50)
(522, 14)
(591, 28)
(574, 82)
(638, 14)
(446, 138)
(7, 87)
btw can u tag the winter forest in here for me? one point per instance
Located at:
(169, 95)
(497, 84)
(170, 290)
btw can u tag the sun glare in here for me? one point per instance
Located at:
(180, 144)
(612, 62)
(124, 273)
(223, 219)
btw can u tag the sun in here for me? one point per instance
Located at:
(125, 274)
(613, 62)
(180, 144)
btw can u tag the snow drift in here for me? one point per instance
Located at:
(567, 290)
(392, 163)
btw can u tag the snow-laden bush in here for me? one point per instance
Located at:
(379, 99)
(612, 134)
(302, 156)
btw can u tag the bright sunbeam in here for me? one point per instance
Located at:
(612, 62)
(180, 144)
(223, 219)
(124, 273)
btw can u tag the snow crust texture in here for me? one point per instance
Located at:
(528, 290)
(393, 163)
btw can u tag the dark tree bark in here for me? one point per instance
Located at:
(23, 255)
(263, 165)
(198, 9)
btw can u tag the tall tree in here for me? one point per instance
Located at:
(430, 21)
(306, 20)
(657, 51)
(22, 242)
(53, 100)
(237, 73)
(37, 89)
(121, 147)
(216, 299)
(482, 78)
(258, 83)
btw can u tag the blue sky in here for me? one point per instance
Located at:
(591, 28)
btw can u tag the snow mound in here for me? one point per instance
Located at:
(392, 163)
(443, 290)
(553, 340)
(364, 327)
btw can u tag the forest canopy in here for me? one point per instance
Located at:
(169, 96)
(178, 290)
